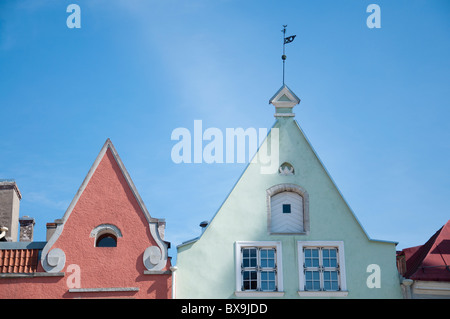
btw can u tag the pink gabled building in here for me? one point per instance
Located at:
(105, 245)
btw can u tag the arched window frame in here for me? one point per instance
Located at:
(104, 230)
(274, 190)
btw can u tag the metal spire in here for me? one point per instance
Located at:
(285, 41)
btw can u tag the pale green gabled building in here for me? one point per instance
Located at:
(286, 233)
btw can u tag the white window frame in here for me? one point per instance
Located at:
(239, 245)
(342, 292)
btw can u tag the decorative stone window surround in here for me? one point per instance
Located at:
(289, 188)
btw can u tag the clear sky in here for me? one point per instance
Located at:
(375, 102)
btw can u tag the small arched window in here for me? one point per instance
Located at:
(106, 240)
(106, 235)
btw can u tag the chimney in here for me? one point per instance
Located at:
(9, 208)
(26, 228)
(51, 227)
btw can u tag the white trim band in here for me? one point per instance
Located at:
(113, 289)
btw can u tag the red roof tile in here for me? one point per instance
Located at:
(430, 261)
(18, 260)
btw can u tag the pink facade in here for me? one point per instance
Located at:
(71, 266)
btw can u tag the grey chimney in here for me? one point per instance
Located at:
(9, 208)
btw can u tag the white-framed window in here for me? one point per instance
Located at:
(321, 268)
(258, 269)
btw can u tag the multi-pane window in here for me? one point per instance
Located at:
(321, 268)
(259, 269)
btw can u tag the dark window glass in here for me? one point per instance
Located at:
(250, 280)
(106, 240)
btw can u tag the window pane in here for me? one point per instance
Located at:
(333, 252)
(267, 257)
(249, 257)
(286, 208)
(250, 280)
(330, 279)
(329, 257)
(312, 280)
(334, 285)
(268, 280)
(311, 257)
(106, 241)
(250, 275)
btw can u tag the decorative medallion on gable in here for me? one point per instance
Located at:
(286, 169)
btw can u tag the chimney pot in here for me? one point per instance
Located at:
(26, 228)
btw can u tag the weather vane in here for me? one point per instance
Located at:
(286, 40)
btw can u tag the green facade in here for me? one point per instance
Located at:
(207, 266)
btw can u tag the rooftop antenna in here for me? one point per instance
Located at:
(286, 40)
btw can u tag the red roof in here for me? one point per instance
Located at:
(18, 260)
(430, 261)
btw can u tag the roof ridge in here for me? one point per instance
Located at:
(418, 257)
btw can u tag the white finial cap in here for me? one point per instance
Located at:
(284, 101)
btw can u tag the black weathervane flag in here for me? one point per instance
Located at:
(289, 39)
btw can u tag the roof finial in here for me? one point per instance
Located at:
(285, 41)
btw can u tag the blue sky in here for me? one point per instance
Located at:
(374, 101)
